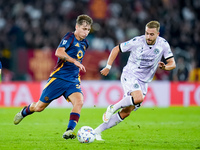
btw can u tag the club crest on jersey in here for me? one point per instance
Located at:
(136, 86)
(156, 51)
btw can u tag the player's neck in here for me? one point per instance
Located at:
(77, 37)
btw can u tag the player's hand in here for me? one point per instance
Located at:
(105, 71)
(161, 65)
(81, 67)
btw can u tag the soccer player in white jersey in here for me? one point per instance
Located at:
(146, 52)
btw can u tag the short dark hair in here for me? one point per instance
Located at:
(153, 24)
(84, 18)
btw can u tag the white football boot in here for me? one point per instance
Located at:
(98, 137)
(109, 112)
(18, 117)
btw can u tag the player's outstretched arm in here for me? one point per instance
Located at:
(60, 53)
(171, 64)
(110, 61)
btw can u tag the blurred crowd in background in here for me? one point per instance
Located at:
(40, 24)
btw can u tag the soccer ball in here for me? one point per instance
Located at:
(86, 134)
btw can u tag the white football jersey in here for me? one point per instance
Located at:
(143, 60)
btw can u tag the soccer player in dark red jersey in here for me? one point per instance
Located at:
(64, 79)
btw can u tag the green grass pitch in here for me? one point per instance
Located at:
(154, 128)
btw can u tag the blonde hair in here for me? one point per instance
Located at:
(153, 24)
(84, 18)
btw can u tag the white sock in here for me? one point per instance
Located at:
(126, 101)
(114, 120)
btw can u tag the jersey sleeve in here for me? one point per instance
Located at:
(66, 41)
(128, 45)
(167, 52)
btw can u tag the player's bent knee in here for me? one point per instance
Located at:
(141, 100)
(79, 103)
(138, 101)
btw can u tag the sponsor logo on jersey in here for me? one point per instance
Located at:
(126, 43)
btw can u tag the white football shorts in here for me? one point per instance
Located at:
(130, 84)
